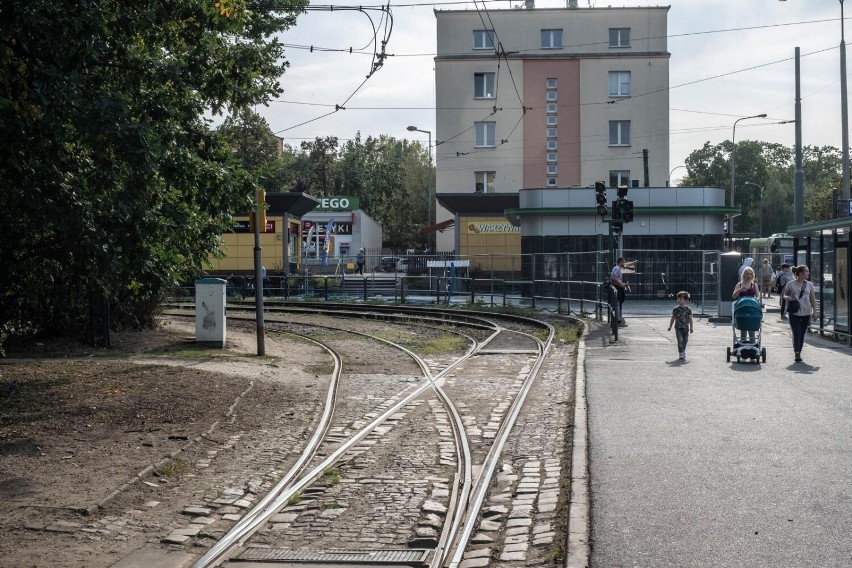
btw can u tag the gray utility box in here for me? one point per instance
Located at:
(210, 311)
(729, 275)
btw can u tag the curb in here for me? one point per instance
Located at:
(577, 547)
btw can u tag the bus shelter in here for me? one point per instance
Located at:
(825, 248)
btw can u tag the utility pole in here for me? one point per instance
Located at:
(645, 160)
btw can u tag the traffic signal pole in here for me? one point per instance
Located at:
(258, 275)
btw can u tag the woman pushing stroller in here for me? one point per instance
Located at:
(746, 287)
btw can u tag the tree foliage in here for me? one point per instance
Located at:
(771, 167)
(389, 176)
(114, 184)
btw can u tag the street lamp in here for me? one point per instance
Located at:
(673, 170)
(760, 210)
(734, 156)
(429, 221)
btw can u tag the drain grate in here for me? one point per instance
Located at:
(409, 556)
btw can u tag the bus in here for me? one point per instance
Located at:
(778, 248)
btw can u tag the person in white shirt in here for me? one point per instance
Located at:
(801, 290)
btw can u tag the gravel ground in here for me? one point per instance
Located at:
(77, 424)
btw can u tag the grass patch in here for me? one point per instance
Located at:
(173, 468)
(295, 499)
(331, 476)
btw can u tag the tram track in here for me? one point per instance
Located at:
(469, 493)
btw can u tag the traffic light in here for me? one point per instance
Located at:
(628, 211)
(622, 191)
(600, 196)
(617, 228)
(617, 212)
(260, 212)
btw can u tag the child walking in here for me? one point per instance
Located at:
(682, 321)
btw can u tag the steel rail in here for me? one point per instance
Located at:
(277, 501)
(487, 473)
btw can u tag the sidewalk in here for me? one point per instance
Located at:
(706, 463)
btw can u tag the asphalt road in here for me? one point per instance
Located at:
(707, 463)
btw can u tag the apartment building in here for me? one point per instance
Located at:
(549, 98)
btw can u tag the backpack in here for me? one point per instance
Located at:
(781, 282)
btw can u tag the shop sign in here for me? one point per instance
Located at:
(339, 203)
(491, 228)
(340, 228)
(243, 227)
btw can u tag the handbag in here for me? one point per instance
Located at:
(793, 306)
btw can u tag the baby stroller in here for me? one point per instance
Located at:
(747, 316)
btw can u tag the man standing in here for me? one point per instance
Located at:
(781, 282)
(616, 280)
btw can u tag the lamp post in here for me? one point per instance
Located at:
(734, 160)
(673, 170)
(760, 210)
(844, 107)
(429, 220)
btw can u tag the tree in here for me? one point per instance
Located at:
(115, 186)
(772, 167)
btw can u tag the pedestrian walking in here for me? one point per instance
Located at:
(801, 307)
(766, 274)
(783, 277)
(360, 259)
(682, 321)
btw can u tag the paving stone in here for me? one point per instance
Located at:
(475, 563)
(242, 503)
(189, 531)
(518, 523)
(489, 526)
(513, 556)
(547, 508)
(434, 507)
(175, 539)
(541, 528)
(517, 530)
(517, 547)
(481, 538)
(283, 518)
(478, 553)
(152, 504)
(497, 510)
(515, 539)
(197, 511)
(232, 517)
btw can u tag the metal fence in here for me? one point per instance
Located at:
(558, 282)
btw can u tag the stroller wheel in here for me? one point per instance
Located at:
(763, 354)
(729, 354)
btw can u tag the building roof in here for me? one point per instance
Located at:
(290, 202)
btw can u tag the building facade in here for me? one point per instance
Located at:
(550, 98)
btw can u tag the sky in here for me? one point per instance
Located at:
(729, 59)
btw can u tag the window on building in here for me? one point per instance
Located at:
(485, 134)
(551, 145)
(619, 177)
(483, 39)
(551, 156)
(551, 83)
(484, 182)
(551, 169)
(619, 83)
(551, 96)
(619, 37)
(551, 39)
(551, 120)
(551, 108)
(551, 182)
(483, 85)
(551, 133)
(619, 133)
